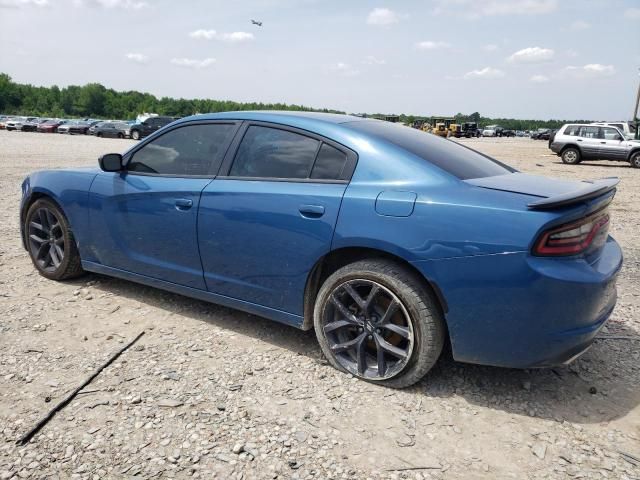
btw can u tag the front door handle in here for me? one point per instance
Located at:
(604, 143)
(311, 211)
(184, 204)
(579, 140)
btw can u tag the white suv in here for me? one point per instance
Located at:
(577, 142)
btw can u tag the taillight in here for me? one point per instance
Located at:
(574, 238)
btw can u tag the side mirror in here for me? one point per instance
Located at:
(111, 162)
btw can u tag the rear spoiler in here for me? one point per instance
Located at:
(587, 191)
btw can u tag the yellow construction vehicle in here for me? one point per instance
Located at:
(440, 129)
(455, 130)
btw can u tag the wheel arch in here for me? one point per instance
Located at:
(570, 145)
(633, 152)
(37, 195)
(340, 257)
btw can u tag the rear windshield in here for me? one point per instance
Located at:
(453, 158)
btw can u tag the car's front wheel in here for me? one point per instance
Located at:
(378, 321)
(135, 134)
(571, 156)
(635, 159)
(50, 242)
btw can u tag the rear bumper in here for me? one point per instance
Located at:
(555, 147)
(518, 311)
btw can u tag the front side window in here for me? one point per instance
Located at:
(611, 134)
(267, 152)
(189, 150)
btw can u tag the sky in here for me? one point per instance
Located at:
(569, 59)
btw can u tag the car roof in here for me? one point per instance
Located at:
(278, 116)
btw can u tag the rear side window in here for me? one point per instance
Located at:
(572, 130)
(329, 164)
(455, 159)
(273, 153)
(189, 150)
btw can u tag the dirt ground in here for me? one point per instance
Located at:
(209, 392)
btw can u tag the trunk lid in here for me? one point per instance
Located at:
(551, 193)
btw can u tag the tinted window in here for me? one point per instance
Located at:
(449, 156)
(591, 132)
(273, 153)
(190, 150)
(329, 164)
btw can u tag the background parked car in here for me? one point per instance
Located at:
(32, 126)
(148, 126)
(50, 126)
(112, 130)
(15, 124)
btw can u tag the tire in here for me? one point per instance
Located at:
(120, 135)
(50, 242)
(571, 156)
(634, 160)
(99, 134)
(414, 327)
(135, 134)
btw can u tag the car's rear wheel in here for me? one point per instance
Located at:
(571, 156)
(50, 242)
(377, 320)
(135, 134)
(635, 159)
(99, 134)
(120, 135)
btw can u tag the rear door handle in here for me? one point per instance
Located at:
(311, 211)
(579, 140)
(603, 143)
(184, 204)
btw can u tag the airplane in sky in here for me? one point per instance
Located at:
(255, 22)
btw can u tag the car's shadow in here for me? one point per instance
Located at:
(603, 385)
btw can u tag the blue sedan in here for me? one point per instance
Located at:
(388, 241)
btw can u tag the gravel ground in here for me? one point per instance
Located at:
(210, 392)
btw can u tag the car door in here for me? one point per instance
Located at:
(265, 222)
(143, 219)
(589, 140)
(613, 146)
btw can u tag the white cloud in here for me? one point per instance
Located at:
(23, 3)
(632, 13)
(236, 37)
(490, 47)
(580, 25)
(432, 45)
(539, 79)
(137, 57)
(203, 34)
(371, 60)
(382, 17)
(486, 72)
(193, 62)
(233, 37)
(591, 70)
(532, 55)
(126, 4)
(344, 69)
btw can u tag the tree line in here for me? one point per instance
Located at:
(94, 100)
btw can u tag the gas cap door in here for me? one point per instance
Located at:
(395, 203)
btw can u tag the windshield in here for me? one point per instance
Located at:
(455, 159)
